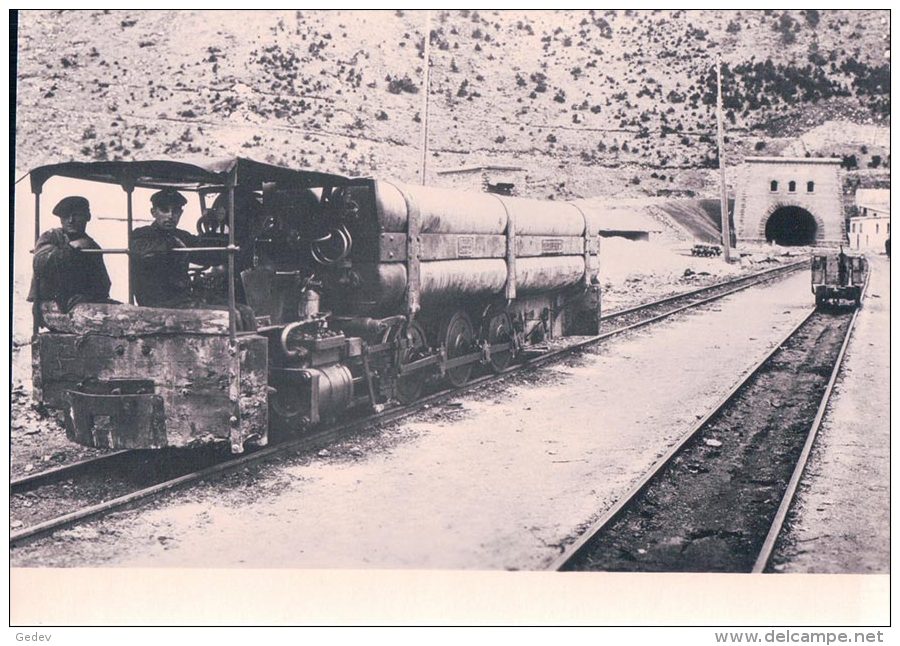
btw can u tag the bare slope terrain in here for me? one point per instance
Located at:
(587, 102)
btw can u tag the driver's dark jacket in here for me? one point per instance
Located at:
(159, 275)
(66, 275)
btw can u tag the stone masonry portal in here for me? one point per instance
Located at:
(790, 201)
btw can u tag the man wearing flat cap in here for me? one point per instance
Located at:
(160, 277)
(62, 272)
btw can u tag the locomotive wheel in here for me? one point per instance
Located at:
(459, 339)
(498, 328)
(409, 387)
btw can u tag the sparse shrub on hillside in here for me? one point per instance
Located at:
(815, 57)
(875, 162)
(872, 82)
(604, 29)
(437, 39)
(381, 115)
(812, 17)
(540, 81)
(733, 27)
(96, 152)
(849, 162)
(759, 146)
(398, 85)
(696, 33)
(786, 26)
(760, 84)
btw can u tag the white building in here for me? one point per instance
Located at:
(870, 229)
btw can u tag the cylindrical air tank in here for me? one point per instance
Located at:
(379, 287)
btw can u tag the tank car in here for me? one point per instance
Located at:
(363, 290)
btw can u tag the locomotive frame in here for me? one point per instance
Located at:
(362, 289)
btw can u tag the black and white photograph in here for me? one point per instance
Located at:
(501, 302)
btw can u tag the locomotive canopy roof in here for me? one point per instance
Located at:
(184, 175)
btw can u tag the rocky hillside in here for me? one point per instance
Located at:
(587, 102)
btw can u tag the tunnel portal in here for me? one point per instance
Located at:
(791, 226)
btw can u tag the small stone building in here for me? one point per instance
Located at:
(790, 201)
(503, 180)
(871, 228)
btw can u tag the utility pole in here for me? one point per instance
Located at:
(726, 224)
(427, 54)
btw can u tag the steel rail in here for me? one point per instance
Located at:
(768, 547)
(576, 548)
(56, 474)
(699, 290)
(612, 333)
(339, 430)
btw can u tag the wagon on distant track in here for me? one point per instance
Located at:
(706, 250)
(838, 278)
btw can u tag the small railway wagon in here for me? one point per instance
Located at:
(838, 277)
(361, 291)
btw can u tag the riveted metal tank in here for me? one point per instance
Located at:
(461, 241)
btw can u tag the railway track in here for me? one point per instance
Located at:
(718, 499)
(156, 475)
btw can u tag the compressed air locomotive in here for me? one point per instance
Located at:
(403, 282)
(363, 291)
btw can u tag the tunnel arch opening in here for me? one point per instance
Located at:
(791, 226)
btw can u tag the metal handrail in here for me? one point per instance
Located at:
(229, 249)
(128, 186)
